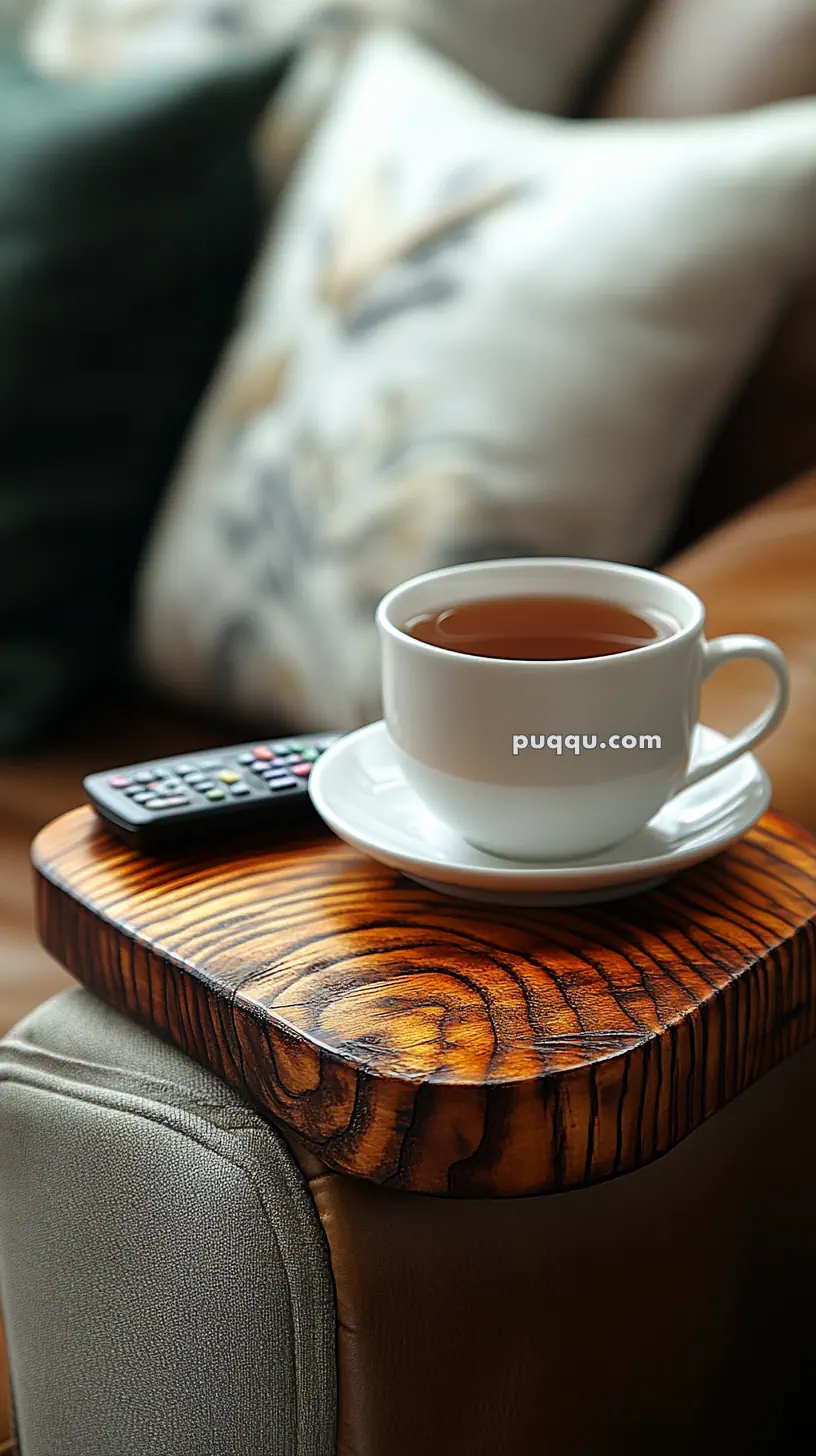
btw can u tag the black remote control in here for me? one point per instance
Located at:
(203, 795)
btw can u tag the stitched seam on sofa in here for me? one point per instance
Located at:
(223, 1098)
(251, 1168)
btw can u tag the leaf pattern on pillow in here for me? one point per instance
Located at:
(254, 384)
(315, 535)
(369, 239)
(426, 293)
(427, 250)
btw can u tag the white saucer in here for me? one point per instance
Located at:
(358, 790)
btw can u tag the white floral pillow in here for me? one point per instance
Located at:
(472, 333)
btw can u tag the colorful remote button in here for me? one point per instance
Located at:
(150, 805)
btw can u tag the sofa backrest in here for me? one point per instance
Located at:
(692, 57)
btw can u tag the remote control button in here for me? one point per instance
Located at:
(276, 785)
(209, 765)
(295, 746)
(262, 753)
(240, 791)
(276, 771)
(144, 776)
(173, 786)
(301, 770)
(133, 790)
(310, 755)
(260, 767)
(228, 777)
(280, 747)
(185, 768)
(157, 786)
(214, 795)
(175, 801)
(155, 801)
(284, 759)
(143, 797)
(202, 786)
(246, 759)
(118, 781)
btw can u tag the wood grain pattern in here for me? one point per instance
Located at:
(441, 1047)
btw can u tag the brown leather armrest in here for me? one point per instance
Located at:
(655, 1312)
(758, 574)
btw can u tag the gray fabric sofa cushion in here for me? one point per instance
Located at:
(164, 1275)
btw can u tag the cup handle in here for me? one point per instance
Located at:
(728, 649)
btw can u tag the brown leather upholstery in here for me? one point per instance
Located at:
(769, 435)
(758, 574)
(696, 57)
(654, 1313)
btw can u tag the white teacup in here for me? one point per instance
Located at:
(458, 722)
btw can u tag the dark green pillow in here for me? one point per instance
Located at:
(128, 222)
